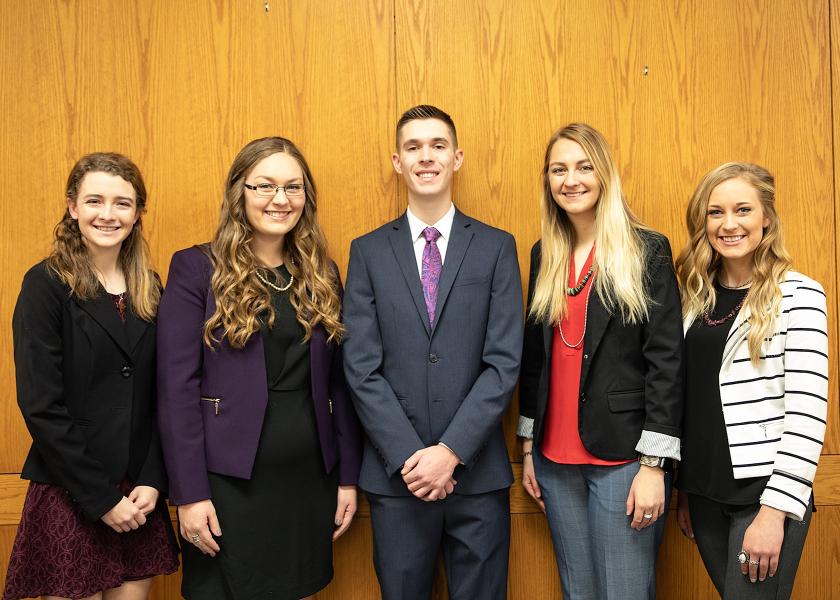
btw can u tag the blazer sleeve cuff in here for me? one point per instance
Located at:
(787, 496)
(95, 511)
(525, 428)
(653, 443)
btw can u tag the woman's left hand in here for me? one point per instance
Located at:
(346, 509)
(144, 497)
(763, 543)
(646, 497)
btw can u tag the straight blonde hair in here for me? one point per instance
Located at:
(699, 265)
(620, 251)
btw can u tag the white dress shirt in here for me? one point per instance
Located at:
(444, 226)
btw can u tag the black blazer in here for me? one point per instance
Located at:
(86, 388)
(631, 375)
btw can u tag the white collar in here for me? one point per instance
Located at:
(444, 224)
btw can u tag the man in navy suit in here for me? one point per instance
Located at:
(433, 309)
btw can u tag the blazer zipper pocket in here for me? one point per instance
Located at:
(330, 401)
(215, 402)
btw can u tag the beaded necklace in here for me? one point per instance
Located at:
(574, 291)
(710, 322)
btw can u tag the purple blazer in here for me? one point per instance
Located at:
(211, 402)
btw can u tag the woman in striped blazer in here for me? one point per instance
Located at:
(756, 387)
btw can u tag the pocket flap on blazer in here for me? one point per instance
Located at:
(624, 401)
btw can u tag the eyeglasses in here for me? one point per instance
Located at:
(269, 190)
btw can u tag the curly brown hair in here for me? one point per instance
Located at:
(240, 295)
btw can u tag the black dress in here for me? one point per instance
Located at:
(276, 527)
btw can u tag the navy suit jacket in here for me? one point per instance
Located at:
(212, 401)
(414, 384)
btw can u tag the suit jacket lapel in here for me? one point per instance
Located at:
(597, 319)
(401, 244)
(104, 312)
(456, 248)
(135, 328)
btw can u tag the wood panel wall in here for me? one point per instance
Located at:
(677, 86)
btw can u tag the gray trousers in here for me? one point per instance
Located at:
(719, 532)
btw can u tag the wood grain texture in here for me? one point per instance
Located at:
(181, 86)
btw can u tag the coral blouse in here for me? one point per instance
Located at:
(561, 441)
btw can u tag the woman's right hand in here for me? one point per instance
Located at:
(683, 516)
(125, 516)
(529, 479)
(198, 521)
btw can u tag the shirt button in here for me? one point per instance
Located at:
(126, 371)
(433, 358)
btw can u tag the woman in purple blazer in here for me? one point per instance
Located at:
(259, 436)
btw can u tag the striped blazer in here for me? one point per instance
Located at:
(775, 412)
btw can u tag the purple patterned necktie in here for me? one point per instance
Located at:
(430, 274)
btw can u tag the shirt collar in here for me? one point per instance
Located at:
(444, 225)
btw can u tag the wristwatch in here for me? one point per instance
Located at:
(652, 461)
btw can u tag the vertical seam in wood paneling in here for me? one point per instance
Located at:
(832, 116)
(397, 189)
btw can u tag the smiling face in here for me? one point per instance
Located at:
(735, 221)
(572, 180)
(105, 208)
(273, 217)
(427, 159)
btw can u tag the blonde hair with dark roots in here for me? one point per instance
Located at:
(699, 264)
(70, 260)
(620, 252)
(240, 296)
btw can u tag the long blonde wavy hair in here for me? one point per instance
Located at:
(620, 251)
(69, 259)
(241, 298)
(698, 265)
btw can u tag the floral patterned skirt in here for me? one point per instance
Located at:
(57, 552)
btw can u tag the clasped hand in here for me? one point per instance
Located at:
(428, 473)
(130, 512)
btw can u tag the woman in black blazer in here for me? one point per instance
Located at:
(93, 523)
(601, 388)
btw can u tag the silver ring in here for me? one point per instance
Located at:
(742, 557)
(195, 538)
(648, 516)
(754, 562)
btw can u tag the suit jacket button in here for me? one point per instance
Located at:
(433, 358)
(126, 371)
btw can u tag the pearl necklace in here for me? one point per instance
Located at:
(274, 286)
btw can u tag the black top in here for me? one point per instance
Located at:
(706, 467)
(287, 356)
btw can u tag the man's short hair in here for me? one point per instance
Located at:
(426, 111)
